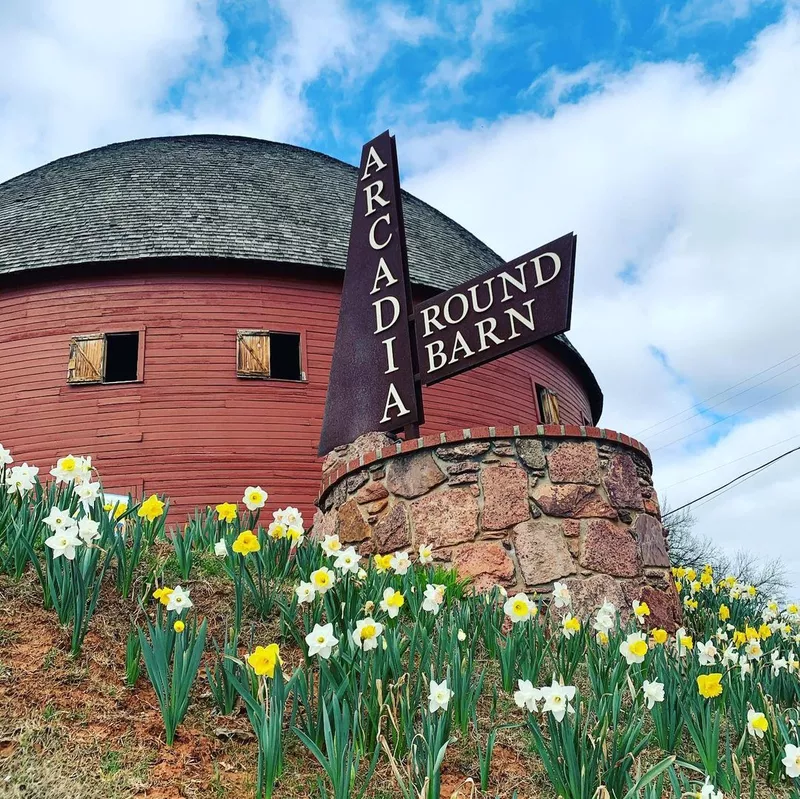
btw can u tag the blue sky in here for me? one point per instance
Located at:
(664, 134)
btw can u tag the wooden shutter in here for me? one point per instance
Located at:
(549, 402)
(252, 353)
(86, 359)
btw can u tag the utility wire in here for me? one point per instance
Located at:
(745, 475)
(727, 399)
(719, 393)
(728, 463)
(725, 418)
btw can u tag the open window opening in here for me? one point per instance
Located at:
(122, 357)
(105, 358)
(269, 355)
(547, 402)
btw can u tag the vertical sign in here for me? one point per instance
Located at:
(372, 385)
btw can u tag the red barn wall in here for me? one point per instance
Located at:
(191, 428)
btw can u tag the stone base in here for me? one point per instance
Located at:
(520, 510)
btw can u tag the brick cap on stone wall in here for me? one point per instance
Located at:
(565, 431)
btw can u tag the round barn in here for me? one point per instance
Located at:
(169, 306)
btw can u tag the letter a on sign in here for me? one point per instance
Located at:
(372, 386)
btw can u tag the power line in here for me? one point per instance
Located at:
(728, 463)
(746, 475)
(727, 399)
(725, 418)
(714, 396)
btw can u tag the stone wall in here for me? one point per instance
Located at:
(519, 510)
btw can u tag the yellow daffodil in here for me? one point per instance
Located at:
(659, 635)
(151, 508)
(691, 574)
(739, 638)
(751, 591)
(383, 563)
(179, 626)
(724, 612)
(764, 632)
(162, 595)
(226, 512)
(751, 632)
(708, 685)
(706, 579)
(246, 542)
(263, 660)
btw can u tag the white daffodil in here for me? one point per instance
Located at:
(290, 516)
(21, 479)
(331, 545)
(557, 699)
(254, 498)
(561, 595)
(87, 493)
(778, 663)
(730, 657)
(640, 610)
(221, 548)
(653, 692)
(347, 561)
(59, 520)
(527, 696)
(392, 602)
(791, 761)
(439, 697)
(64, 543)
(88, 530)
(634, 648)
(792, 663)
(757, 723)
(745, 666)
(323, 579)
(425, 555)
(276, 530)
(305, 593)
(366, 634)
(5, 456)
(753, 649)
(179, 600)
(434, 596)
(362, 573)
(462, 636)
(570, 625)
(400, 562)
(67, 469)
(321, 641)
(518, 608)
(296, 535)
(605, 618)
(708, 791)
(706, 653)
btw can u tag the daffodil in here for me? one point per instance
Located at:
(708, 791)
(289, 517)
(226, 512)
(659, 635)
(557, 699)
(382, 563)
(570, 625)
(162, 595)
(462, 636)
(5, 457)
(706, 653)
(757, 723)
(321, 641)
(87, 493)
(518, 608)
(322, 579)
(179, 600)
(527, 696)
(66, 469)
(652, 692)
(179, 626)
(434, 596)
(21, 479)
(254, 498)
(724, 612)
(739, 638)
(366, 634)
(561, 595)
(347, 561)
(791, 760)
(59, 520)
(263, 660)
(392, 602)
(305, 593)
(439, 696)
(683, 642)
(753, 649)
(88, 530)
(221, 548)
(64, 543)
(246, 543)
(708, 685)
(425, 554)
(151, 508)
(778, 663)
(634, 648)
(276, 530)
(331, 545)
(640, 611)
(400, 562)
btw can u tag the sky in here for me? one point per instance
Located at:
(665, 134)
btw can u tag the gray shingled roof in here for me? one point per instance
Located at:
(216, 196)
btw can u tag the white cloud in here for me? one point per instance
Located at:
(691, 183)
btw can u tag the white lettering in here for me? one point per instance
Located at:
(515, 314)
(373, 159)
(460, 345)
(389, 344)
(380, 324)
(382, 273)
(393, 401)
(429, 318)
(436, 351)
(483, 333)
(473, 290)
(537, 265)
(374, 196)
(507, 278)
(464, 309)
(374, 244)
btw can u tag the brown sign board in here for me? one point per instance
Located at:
(372, 383)
(517, 304)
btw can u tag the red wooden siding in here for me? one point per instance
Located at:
(191, 428)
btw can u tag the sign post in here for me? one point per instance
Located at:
(372, 383)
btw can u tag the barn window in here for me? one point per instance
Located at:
(269, 354)
(104, 358)
(547, 401)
